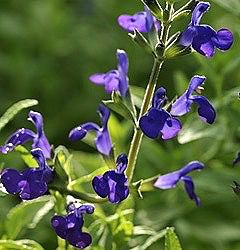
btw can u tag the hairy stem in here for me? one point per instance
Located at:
(137, 137)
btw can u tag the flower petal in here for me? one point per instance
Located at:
(170, 180)
(199, 10)
(10, 179)
(98, 78)
(187, 36)
(112, 80)
(189, 187)
(122, 162)
(59, 224)
(171, 128)
(40, 141)
(159, 98)
(78, 133)
(85, 209)
(138, 21)
(103, 142)
(203, 42)
(20, 137)
(181, 106)
(78, 238)
(100, 186)
(152, 123)
(122, 60)
(205, 109)
(223, 39)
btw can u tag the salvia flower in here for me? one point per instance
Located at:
(23, 135)
(143, 21)
(183, 104)
(103, 140)
(203, 38)
(31, 183)
(170, 180)
(69, 227)
(157, 121)
(117, 79)
(113, 184)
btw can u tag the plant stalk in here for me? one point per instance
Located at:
(137, 137)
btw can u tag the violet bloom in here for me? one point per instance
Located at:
(23, 135)
(113, 184)
(117, 79)
(157, 121)
(170, 180)
(103, 140)
(143, 21)
(203, 38)
(31, 183)
(69, 227)
(183, 104)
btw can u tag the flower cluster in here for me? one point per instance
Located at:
(69, 227)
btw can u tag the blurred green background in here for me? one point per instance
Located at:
(48, 49)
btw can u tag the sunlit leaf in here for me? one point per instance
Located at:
(171, 240)
(20, 245)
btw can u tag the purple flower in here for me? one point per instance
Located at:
(142, 21)
(23, 135)
(103, 140)
(113, 184)
(69, 227)
(116, 79)
(170, 180)
(203, 38)
(183, 104)
(157, 121)
(31, 183)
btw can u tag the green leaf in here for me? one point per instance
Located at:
(26, 156)
(14, 110)
(171, 240)
(122, 106)
(20, 245)
(151, 240)
(137, 95)
(61, 155)
(231, 5)
(27, 214)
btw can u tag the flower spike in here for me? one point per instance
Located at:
(142, 21)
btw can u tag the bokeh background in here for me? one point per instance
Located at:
(48, 49)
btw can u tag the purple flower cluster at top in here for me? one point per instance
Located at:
(113, 184)
(170, 180)
(159, 122)
(103, 140)
(69, 227)
(142, 21)
(203, 38)
(117, 79)
(23, 135)
(31, 183)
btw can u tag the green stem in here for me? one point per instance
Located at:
(78, 195)
(137, 137)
